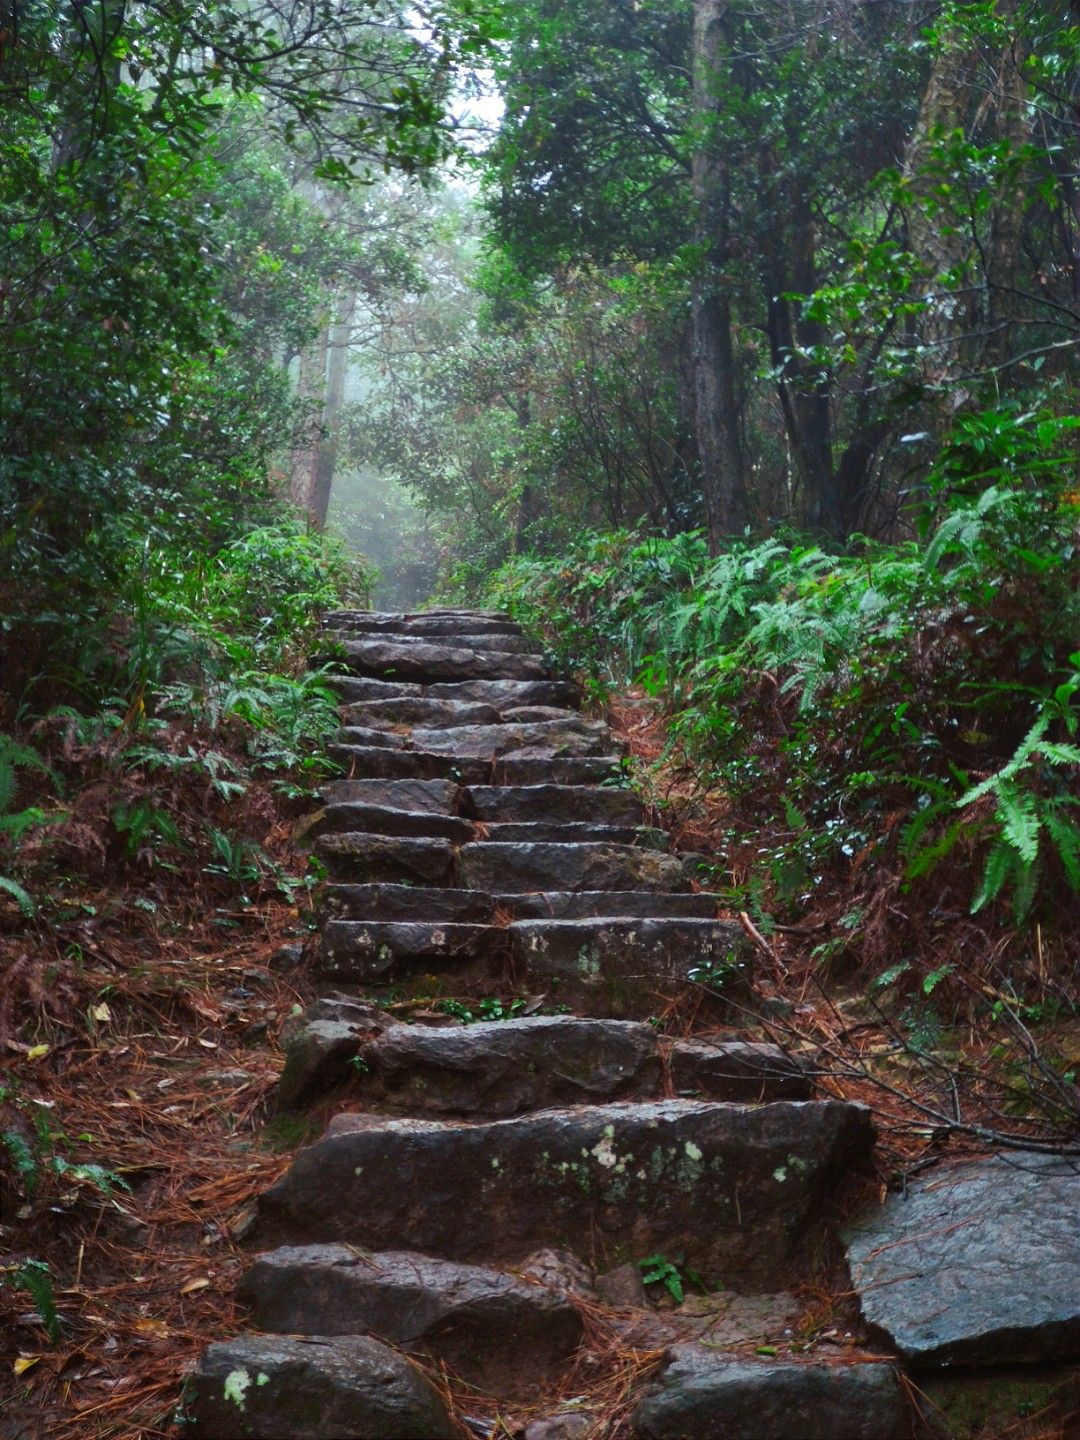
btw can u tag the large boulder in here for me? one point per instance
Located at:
(741, 1190)
(277, 1387)
(976, 1263)
(702, 1395)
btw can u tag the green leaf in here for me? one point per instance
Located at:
(22, 898)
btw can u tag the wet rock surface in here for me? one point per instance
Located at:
(349, 1387)
(733, 1187)
(703, 1396)
(977, 1264)
(513, 1065)
(607, 966)
(465, 1315)
(492, 1183)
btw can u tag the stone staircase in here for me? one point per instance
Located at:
(492, 1183)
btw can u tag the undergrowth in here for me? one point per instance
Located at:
(884, 741)
(147, 800)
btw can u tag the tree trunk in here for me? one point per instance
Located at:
(310, 389)
(716, 409)
(327, 449)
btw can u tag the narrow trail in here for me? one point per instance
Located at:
(487, 1203)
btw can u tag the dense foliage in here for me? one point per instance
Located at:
(765, 277)
(903, 707)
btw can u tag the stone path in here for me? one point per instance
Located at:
(495, 1178)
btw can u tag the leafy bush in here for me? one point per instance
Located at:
(913, 701)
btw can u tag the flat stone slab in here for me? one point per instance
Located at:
(484, 1323)
(420, 710)
(508, 1066)
(625, 967)
(352, 816)
(704, 1396)
(505, 694)
(394, 858)
(741, 1191)
(490, 866)
(428, 662)
(422, 622)
(385, 762)
(978, 1264)
(495, 641)
(737, 1070)
(501, 694)
(563, 803)
(361, 951)
(433, 797)
(586, 904)
(421, 902)
(574, 832)
(570, 736)
(277, 1387)
(406, 902)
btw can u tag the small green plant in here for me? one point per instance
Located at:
(673, 1274)
(489, 1008)
(35, 1277)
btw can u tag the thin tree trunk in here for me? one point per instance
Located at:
(716, 409)
(327, 450)
(310, 389)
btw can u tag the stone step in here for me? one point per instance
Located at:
(550, 832)
(498, 1068)
(524, 803)
(413, 902)
(383, 762)
(430, 663)
(588, 904)
(567, 737)
(506, 1067)
(741, 1191)
(372, 952)
(499, 1331)
(705, 1395)
(487, 865)
(287, 1387)
(389, 902)
(510, 694)
(420, 710)
(493, 642)
(625, 967)
(432, 797)
(397, 860)
(426, 622)
(501, 694)
(571, 735)
(351, 815)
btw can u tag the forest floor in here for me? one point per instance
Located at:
(141, 1034)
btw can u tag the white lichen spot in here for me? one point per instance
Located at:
(604, 1149)
(693, 1151)
(780, 1173)
(358, 1170)
(495, 1162)
(237, 1384)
